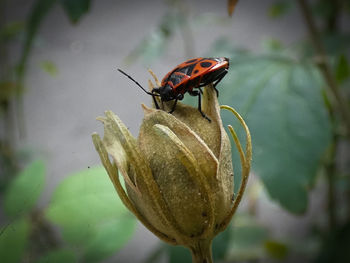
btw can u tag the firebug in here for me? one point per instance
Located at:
(189, 75)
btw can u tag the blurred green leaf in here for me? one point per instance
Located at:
(342, 69)
(40, 9)
(276, 249)
(75, 9)
(272, 45)
(335, 44)
(110, 237)
(49, 67)
(14, 240)
(59, 256)
(87, 208)
(25, 189)
(179, 254)
(157, 253)
(247, 239)
(282, 103)
(279, 8)
(221, 245)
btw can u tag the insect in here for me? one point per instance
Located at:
(189, 75)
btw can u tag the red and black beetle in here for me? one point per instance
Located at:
(191, 74)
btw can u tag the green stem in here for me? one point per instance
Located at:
(201, 251)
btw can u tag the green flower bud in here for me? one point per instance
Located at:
(178, 174)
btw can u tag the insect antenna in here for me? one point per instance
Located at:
(138, 84)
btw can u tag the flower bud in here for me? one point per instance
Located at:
(178, 174)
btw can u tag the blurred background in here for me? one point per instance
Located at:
(289, 78)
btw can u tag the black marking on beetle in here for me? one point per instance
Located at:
(206, 64)
(186, 70)
(204, 214)
(191, 61)
(175, 79)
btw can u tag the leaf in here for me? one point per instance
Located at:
(231, 5)
(14, 240)
(179, 254)
(276, 249)
(75, 9)
(282, 104)
(157, 253)
(87, 209)
(221, 244)
(40, 9)
(25, 189)
(110, 237)
(335, 44)
(278, 9)
(58, 256)
(342, 69)
(272, 45)
(49, 67)
(247, 239)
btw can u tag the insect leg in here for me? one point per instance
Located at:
(155, 102)
(217, 82)
(197, 93)
(179, 97)
(174, 106)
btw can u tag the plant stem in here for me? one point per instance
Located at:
(201, 251)
(342, 106)
(333, 19)
(330, 174)
(42, 236)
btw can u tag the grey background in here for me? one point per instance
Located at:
(60, 111)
